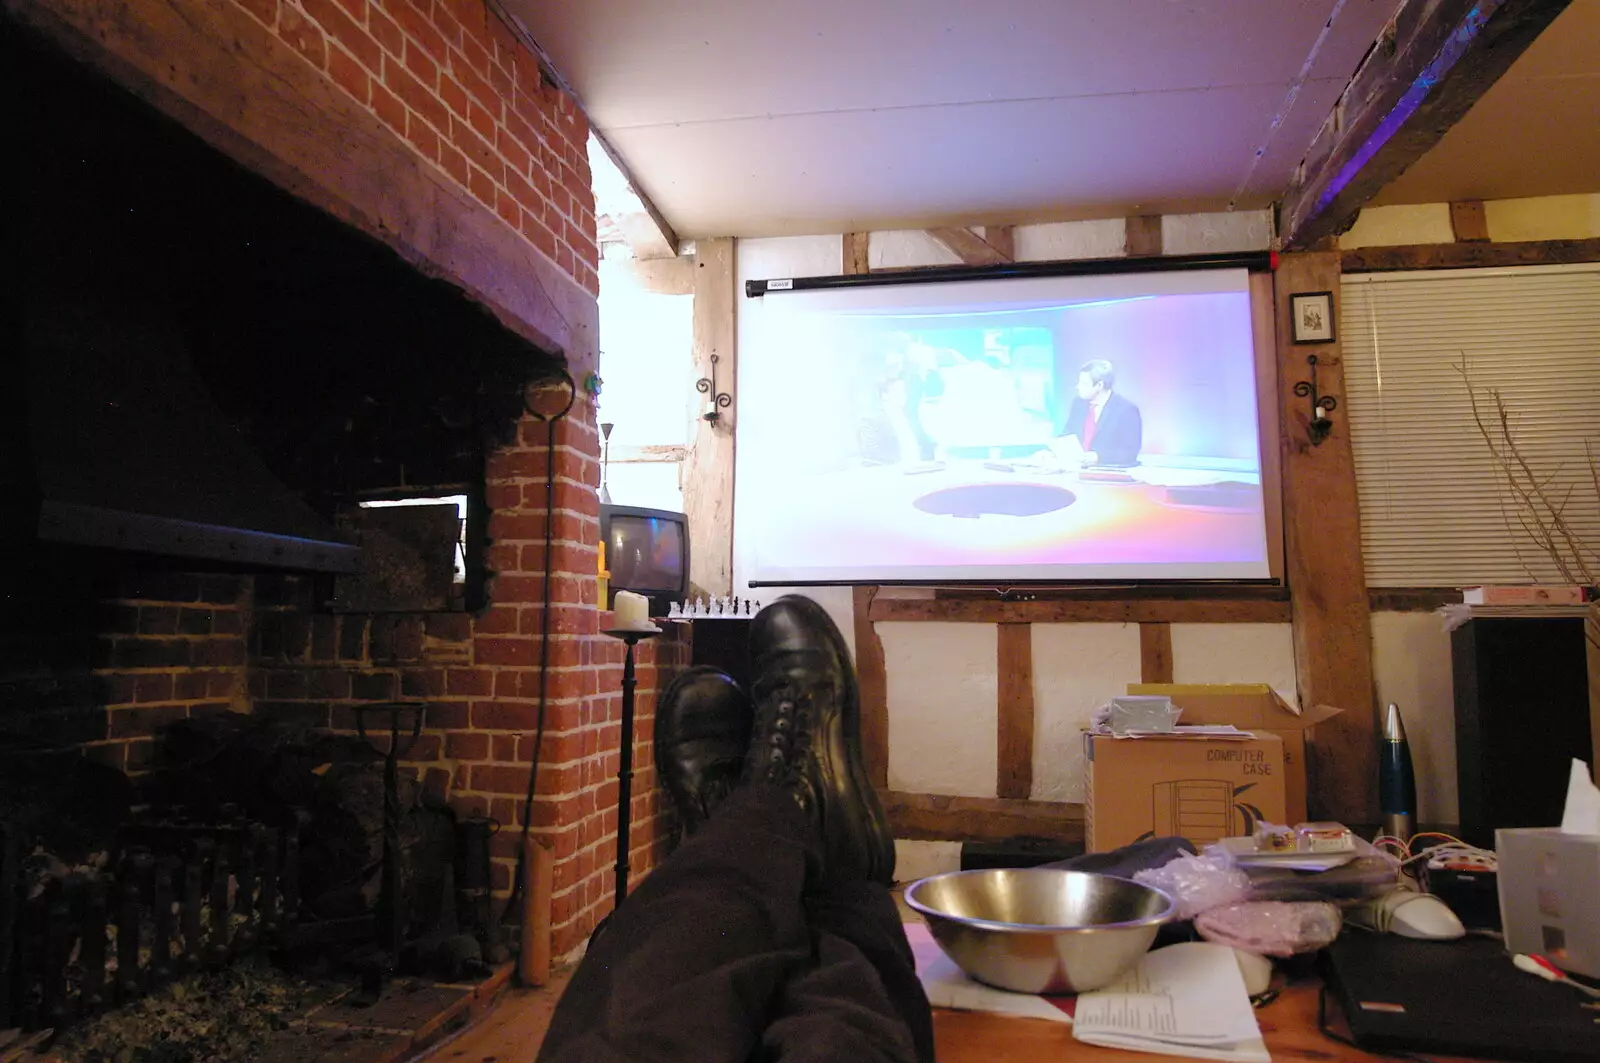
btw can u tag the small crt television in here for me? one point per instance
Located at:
(647, 552)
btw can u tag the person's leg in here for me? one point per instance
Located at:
(861, 998)
(690, 965)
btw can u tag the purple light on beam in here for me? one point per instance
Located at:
(1455, 47)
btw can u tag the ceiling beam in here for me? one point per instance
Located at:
(1427, 69)
(644, 228)
(972, 249)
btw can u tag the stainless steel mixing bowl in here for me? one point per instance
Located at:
(1038, 930)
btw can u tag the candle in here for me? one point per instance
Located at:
(632, 610)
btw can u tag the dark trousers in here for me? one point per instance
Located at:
(739, 948)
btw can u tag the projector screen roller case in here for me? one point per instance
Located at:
(1080, 428)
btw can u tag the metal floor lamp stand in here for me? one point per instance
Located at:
(625, 760)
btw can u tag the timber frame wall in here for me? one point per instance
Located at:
(1318, 526)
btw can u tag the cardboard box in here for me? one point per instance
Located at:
(1197, 788)
(1548, 882)
(1252, 707)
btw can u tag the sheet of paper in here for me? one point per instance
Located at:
(1184, 1000)
(948, 987)
(1582, 812)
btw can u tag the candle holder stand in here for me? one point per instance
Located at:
(630, 637)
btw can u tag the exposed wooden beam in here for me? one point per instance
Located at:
(1143, 239)
(708, 471)
(936, 817)
(855, 254)
(1093, 611)
(647, 455)
(969, 247)
(1467, 256)
(1467, 221)
(1155, 653)
(1327, 581)
(646, 236)
(1014, 768)
(872, 689)
(1003, 239)
(645, 228)
(1433, 63)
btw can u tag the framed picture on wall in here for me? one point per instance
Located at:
(1313, 317)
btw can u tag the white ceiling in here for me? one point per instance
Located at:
(748, 118)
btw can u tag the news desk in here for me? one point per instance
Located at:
(1098, 516)
(1288, 1025)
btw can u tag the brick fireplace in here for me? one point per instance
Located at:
(427, 128)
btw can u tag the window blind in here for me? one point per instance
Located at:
(1436, 507)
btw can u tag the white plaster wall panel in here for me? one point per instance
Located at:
(903, 248)
(914, 860)
(1237, 230)
(1424, 223)
(1411, 667)
(1101, 238)
(943, 715)
(1543, 218)
(1236, 653)
(762, 258)
(1076, 668)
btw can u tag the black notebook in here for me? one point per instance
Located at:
(1460, 998)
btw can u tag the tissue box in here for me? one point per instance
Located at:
(1549, 879)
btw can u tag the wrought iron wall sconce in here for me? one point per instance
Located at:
(718, 400)
(1321, 405)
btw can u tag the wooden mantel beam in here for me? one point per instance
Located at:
(1430, 66)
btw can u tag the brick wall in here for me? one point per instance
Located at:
(170, 645)
(99, 658)
(455, 88)
(452, 80)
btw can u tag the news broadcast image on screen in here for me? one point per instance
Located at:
(1051, 428)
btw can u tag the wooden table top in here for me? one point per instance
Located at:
(1288, 1024)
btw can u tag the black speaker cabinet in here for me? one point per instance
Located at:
(1522, 715)
(725, 643)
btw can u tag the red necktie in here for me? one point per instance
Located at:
(1090, 423)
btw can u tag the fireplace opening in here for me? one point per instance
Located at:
(351, 374)
(196, 750)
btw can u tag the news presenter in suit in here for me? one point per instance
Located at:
(1107, 425)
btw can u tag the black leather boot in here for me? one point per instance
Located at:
(702, 732)
(807, 736)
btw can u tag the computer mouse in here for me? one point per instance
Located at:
(1427, 917)
(1409, 914)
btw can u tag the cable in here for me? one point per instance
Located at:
(544, 626)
